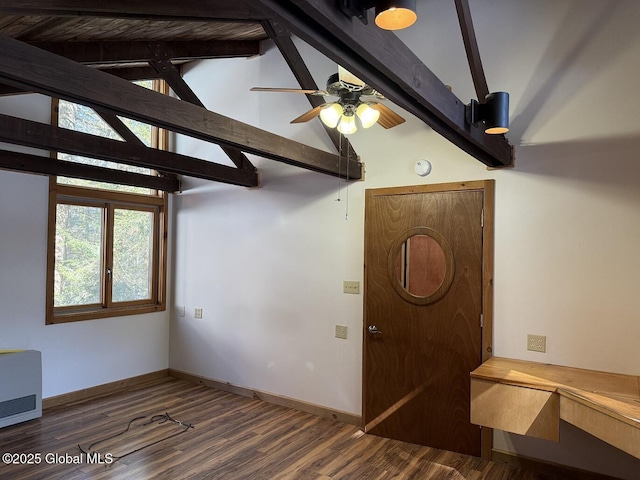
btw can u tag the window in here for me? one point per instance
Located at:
(107, 243)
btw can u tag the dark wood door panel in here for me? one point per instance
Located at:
(416, 377)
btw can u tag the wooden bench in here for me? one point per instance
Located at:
(530, 398)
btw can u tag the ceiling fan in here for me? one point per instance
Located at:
(356, 99)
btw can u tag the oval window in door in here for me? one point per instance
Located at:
(421, 266)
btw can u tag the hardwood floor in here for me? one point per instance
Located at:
(234, 438)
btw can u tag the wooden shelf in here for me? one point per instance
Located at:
(530, 398)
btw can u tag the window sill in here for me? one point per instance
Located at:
(81, 315)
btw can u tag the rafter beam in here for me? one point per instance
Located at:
(34, 69)
(183, 9)
(381, 59)
(47, 137)
(471, 47)
(132, 74)
(125, 132)
(9, 90)
(89, 53)
(24, 162)
(119, 127)
(282, 38)
(171, 75)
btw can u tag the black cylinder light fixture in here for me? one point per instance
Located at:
(496, 107)
(395, 14)
(494, 113)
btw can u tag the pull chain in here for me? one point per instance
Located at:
(339, 165)
(346, 215)
(346, 207)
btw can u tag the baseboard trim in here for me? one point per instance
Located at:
(283, 401)
(546, 468)
(101, 390)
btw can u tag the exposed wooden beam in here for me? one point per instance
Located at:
(381, 59)
(132, 74)
(171, 75)
(158, 9)
(47, 137)
(282, 38)
(125, 132)
(471, 47)
(119, 127)
(89, 53)
(23, 162)
(34, 69)
(39, 27)
(9, 90)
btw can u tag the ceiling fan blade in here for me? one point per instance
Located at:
(289, 90)
(313, 113)
(388, 118)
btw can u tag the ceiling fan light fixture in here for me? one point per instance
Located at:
(347, 125)
(367, 115)
(331, 115)
(395, 14)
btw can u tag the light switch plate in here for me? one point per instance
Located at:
(351, 287)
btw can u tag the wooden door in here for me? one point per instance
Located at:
(423, 312)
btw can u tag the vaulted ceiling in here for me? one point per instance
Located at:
(88, 51)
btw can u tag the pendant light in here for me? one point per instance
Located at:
(395, 14)
(389, 14)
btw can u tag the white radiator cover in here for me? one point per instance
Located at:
(20, 387)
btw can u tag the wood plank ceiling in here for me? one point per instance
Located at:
(88, 51)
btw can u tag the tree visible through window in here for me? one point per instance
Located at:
(78, 254)
(106, 246)
(83, 119)
(132, 255)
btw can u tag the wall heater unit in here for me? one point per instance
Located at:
(20, 387)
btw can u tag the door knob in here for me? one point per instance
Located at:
(374, 330)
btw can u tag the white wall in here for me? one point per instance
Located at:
(74, 355)
(267, 264)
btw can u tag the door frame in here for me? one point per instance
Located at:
(487, 187)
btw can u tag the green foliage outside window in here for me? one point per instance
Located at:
(78, 255)
(84, 119)
(132, 255)
(107, 247)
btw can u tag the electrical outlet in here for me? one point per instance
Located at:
(181, 311)
(198, 313)
(351, 287)
(537, 343)
(341, 331)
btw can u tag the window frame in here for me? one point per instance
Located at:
(157, 202)
(109, 201)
